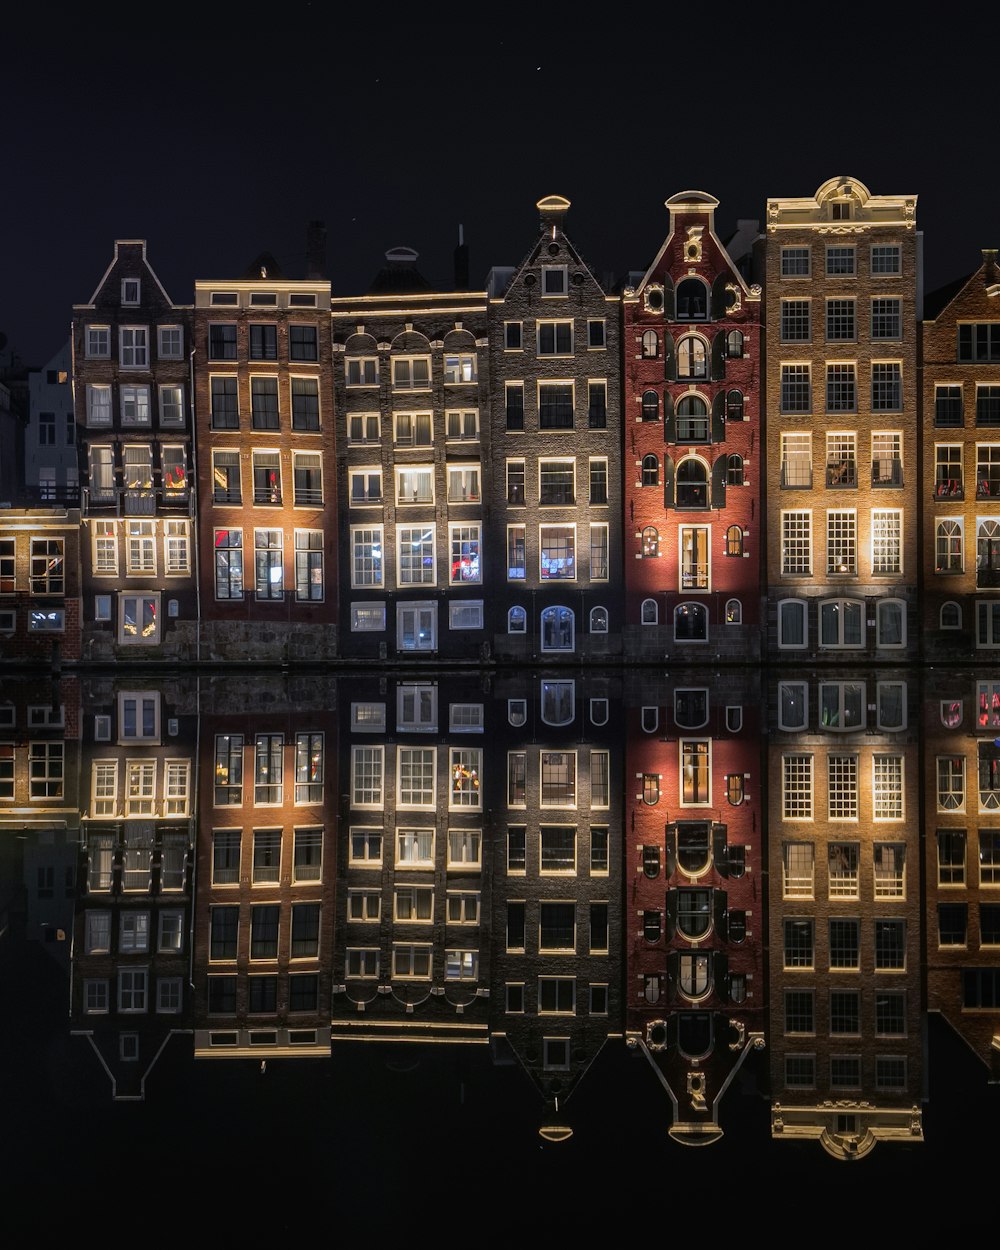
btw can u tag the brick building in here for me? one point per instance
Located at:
(960, 503)
(692, 428)
(555, 494)
(40, 598)
(267, 491)
(411, 379)
(843, 271)
(133, 412)
(51, 467)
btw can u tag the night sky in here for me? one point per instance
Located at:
(219, 135)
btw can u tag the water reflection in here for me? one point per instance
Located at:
(750, 882)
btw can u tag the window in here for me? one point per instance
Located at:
(97, 342)
(132, 985)
(797, 778)
(554, 280)
(309, 565)
(366, 564)
(466, 768)
(266, 477)
(416, 777)
(365, 847)
(889, 859)
(556, 927)
(307, 857)
(463, 484)
(841, 388)
(798, 870)
(692, 484)
(596, 333)
(416, 626)
(845, 1011)
(734, 540)
(558, 702)
(841, 623)
(512, 336)
(950, 616)
(650, 406)
(692, 420)
(465, 566)
(364, 905)
(414, 903)
(47, 569)
(303, 342)
(887, 787)
(465, 849)
(692, 357)
(365, 486)
(796, 389)
(650, 542)
(887, 389)
(840, 261)
(266, 856)
(692, 300)
(555, 338)
(734, 470)
(139, 618)
(415, 555)
(95, 997)
(558, 778)
(133, 933)
(264, 403)
(555, 405)
(890, 945)
(222, 341)
(600, 563)
(415, 485)
(557, 996)
(268, 778)
(263, 341)
(840, 321)
(268, 564)
(411, 962)
(600, 778)
(796, 460)
(309, 768)
(228, 770)
(987, 405)
(414, 429)
(558, 629)
(514, 405)
(364, 427)
(225, 857)
(229, 564)
(694, 912)
(845, 944)
(361, 964)
(979, 341)
(887, 319)
(886, 259)
(795, 321)
(842, 791)
(650, 789)
(98, 404)
(691, 623)
(461, 965)
(795, 262)
(695, 780)
(133, 347)
(948, 406)
(799, 1012)
(367, 617)
(598, 481)
(411, 373)
(264, 931)
(557, 552)
(362, 371)
(695, 561)
(841, 541)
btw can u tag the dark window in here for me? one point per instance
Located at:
(302, 343)
(263, 342)
(222, 342)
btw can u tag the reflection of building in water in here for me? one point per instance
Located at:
(962, 856)
(961, 451)
(843, 277)
(131, 352)
(556, 856)
(266, 866)
(845, 915)
(411, 959)
(693, 451)
(132, 937)
(694, 980)
(411, 378)
(555, 554)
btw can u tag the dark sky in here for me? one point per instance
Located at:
(217, 136)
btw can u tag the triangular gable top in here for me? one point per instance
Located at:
(698, 201)
(119, 243)
(553, 209)
(987, 276)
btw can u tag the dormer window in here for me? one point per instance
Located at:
(840, 210)
(692, 300)
(131, 290)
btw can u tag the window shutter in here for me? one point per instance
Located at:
(669, 358)
(671, 846)
(719, 418)
(719, 470)
(669, 421)
(719, 357)
(719, 299)
(668, 299)
(720, 850)
(673, 968)
(668, 482)
(720, 972)
(719, 903)
(671, 914)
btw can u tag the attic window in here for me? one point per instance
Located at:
(130, 290)
(302, 301)
(840, 210)
(226, 299)
(554, 280)
(264, 298)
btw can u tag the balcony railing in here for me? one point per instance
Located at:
(949, 488)
(308, 496)
(987, 488)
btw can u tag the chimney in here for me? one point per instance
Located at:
(461, 262)
(552, 211)
(316, 249)
(990, 262)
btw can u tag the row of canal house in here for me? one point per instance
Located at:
(542, 470)
(801, 866)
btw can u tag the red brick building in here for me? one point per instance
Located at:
(692, 343)
(39, 585)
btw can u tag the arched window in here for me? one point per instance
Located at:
(598, 620)
(650, 541)
(694, 846)
(734, 540)
(517, 711)
(694, 912)
(951, 615)
(692, 420)
(948, 547)
(734, 406)
(734, 345)
(792, 623)
(652, 925)
(650, 719)
(694, 974)
(842, 623)
(735, 788)
(691, 622)
(692, 357)
(987, 553)
(598, 711)
(650, 344)
(650, 789)
(734, 471)
(558, 629)
(692, 300)
(692, 484)
(650, 406)
(649, 614)
(517, 621)
(734, 718)
(650, 471)
(734, 612)
(890, 623)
